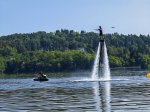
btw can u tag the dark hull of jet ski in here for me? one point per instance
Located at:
(38, 79)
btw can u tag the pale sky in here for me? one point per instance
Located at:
(27, 16)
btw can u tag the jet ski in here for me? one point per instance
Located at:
(41, 77)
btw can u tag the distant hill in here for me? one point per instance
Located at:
(67, 50)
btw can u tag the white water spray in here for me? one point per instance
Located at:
(96, 65)
(106, 68)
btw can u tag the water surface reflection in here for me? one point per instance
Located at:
(72, 94)
(102, 96)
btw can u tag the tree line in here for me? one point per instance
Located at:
(68, 50)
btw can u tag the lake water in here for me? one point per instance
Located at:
(126, 92)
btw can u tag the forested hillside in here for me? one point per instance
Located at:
(67, 50)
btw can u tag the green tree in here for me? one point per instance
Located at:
(2, 64)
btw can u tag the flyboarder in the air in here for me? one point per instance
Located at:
(101, 40)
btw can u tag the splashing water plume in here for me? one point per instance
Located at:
(96, 65)
(106, 68)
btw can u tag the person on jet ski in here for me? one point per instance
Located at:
(41, 75)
